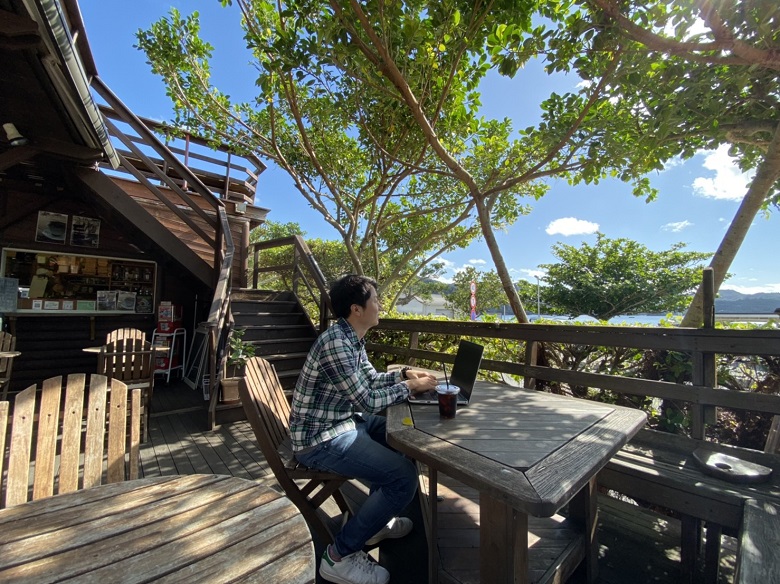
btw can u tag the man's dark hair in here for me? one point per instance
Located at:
(348, 290)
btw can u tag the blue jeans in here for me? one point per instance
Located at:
(364, 454)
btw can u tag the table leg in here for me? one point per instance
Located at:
(433, 522)
(689, 546)
(503, 542)
(712, 552)
(583, 510)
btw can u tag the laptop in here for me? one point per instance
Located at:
(464, 374)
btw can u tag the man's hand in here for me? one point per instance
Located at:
(420, 381)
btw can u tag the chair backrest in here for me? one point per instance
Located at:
(68, 434)
(7, 343)
(267, 409)
(125, 333)
(128, 359)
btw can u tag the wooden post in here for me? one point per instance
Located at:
(704, 369)
(531, 358)
(414, 342)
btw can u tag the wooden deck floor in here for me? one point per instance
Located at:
(636, 546)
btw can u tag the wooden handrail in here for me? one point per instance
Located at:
(304, 268)
(220, 320)
(701, 344)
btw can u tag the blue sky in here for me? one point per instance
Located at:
(697, 199)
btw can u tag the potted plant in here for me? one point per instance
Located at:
(239, 352)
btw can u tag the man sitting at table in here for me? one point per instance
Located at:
(334, 429)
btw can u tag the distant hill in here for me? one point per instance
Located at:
(733, 302)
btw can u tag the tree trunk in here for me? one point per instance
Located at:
(498, 261)
(767, 175)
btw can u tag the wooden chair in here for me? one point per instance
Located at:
(125, 333)
(7, 344)
(131, 360)
(268, 413)
(67, 435)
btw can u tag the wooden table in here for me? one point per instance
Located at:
(165, 529)
(527, 453)
(97, 350)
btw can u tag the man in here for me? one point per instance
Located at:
(334, 429)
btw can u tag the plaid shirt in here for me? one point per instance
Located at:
(336, 382)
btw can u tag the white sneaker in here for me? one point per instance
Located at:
(355, 568)
(395, 528)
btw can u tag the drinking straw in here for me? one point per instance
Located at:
(447, 381)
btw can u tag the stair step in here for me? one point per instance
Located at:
(249, 294)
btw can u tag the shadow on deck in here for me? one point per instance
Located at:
(636, 546)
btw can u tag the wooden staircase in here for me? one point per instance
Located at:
(278, 327)
(281, 332)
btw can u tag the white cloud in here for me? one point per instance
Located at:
(571, 226)
(765, 288)
(673, 163)
(533, 274)
(475, 262)
(729, 182)
(677, 226)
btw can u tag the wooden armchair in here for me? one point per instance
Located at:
(131, 360)
(268, 413)
(7, 345)
(125, 333)
(68, 434)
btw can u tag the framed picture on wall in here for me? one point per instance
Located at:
(85, 231)
(51, 228)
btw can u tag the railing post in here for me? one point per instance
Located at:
(704, 369)
(531, 358)
(226, 190)
(296, 267)
(414, 342)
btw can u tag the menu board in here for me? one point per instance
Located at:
(9, 291)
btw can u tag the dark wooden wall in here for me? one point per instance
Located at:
(52, 343)
(239, 225)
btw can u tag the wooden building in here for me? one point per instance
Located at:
(100, 218)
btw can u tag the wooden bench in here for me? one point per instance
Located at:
(759, 541)
(660, 469)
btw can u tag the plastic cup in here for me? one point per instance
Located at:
(448, 400)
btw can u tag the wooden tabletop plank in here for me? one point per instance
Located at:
(268, 548)
(531, 449)
(203, 526)
(151, 560)
(466, 466)
(114, 535)
(156, 502)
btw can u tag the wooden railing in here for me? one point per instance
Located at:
(298, 273)
(182, 182)
(220, 321)
(227, 175)
(700, 344)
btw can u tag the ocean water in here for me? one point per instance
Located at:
(622, 320)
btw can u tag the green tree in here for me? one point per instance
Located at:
(620, 276)
(489, 293)
(347, 145)
(693, 75)
(372, 108)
